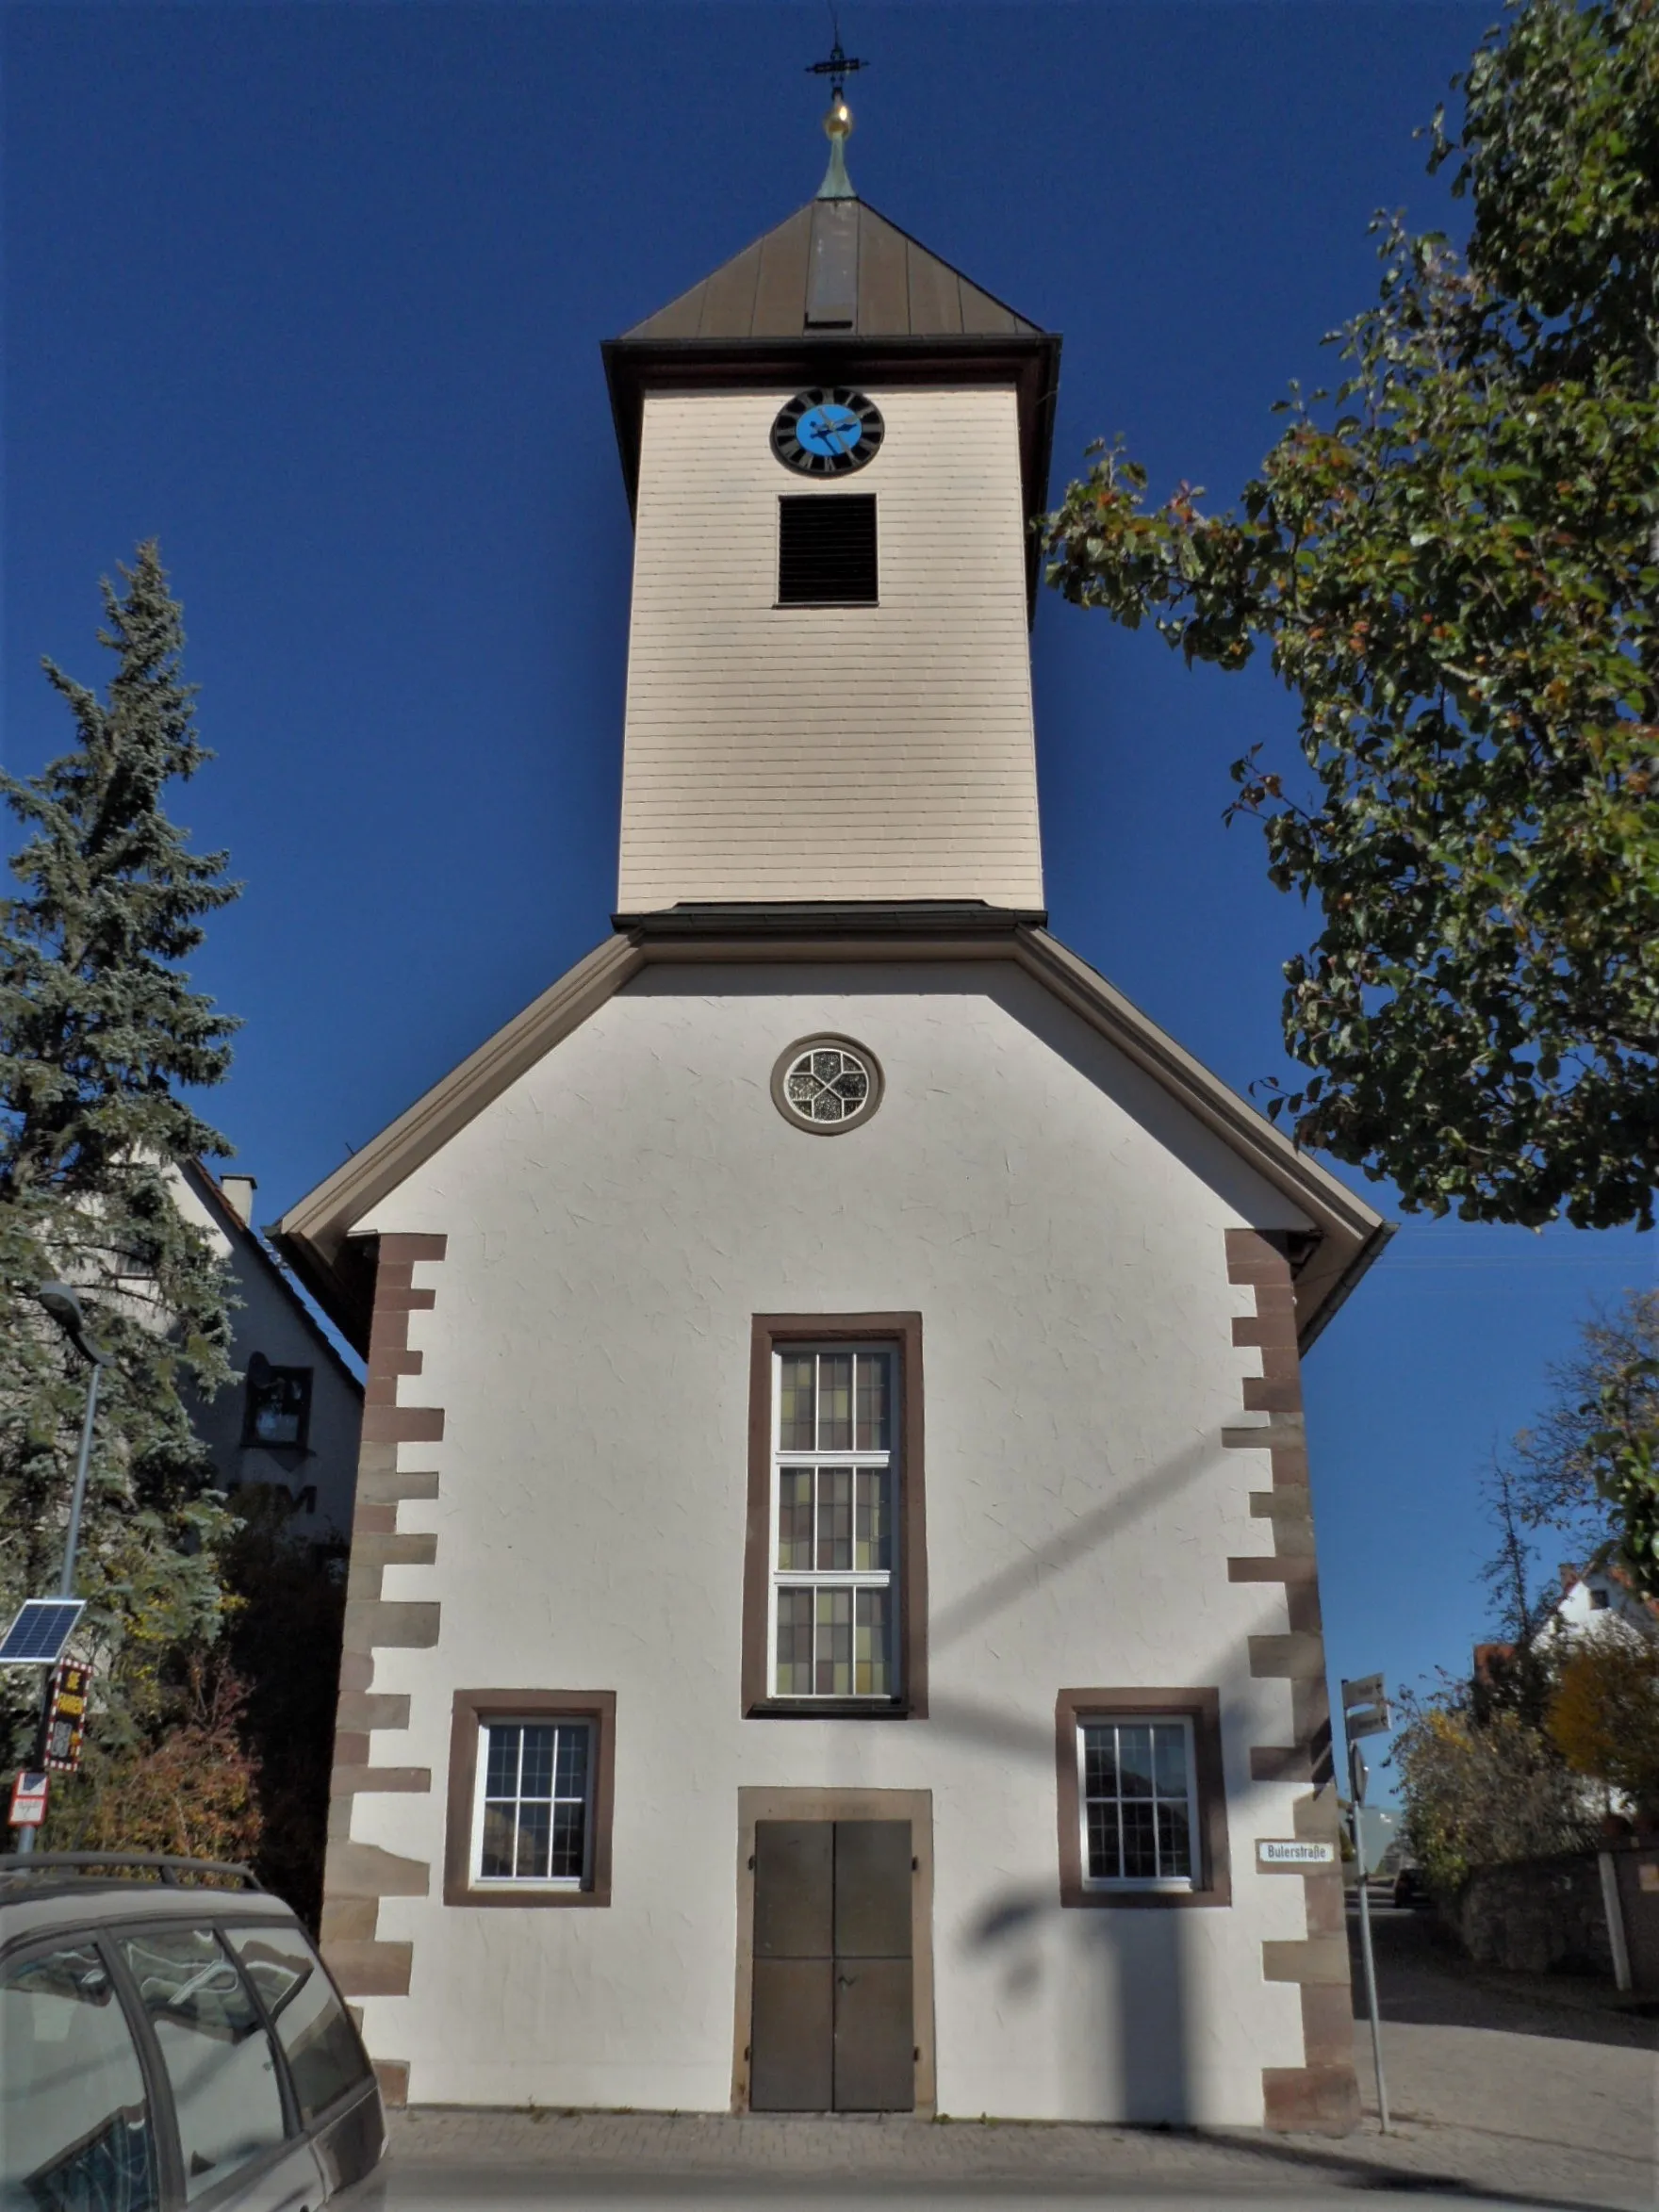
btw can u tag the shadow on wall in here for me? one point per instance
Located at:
(1128, 2044)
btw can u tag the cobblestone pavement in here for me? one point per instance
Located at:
(1498, 2091)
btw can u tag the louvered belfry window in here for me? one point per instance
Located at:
(827, 549)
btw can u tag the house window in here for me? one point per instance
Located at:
(1597, 1599)
(1136, 1800)
(277, 1406)
(531, 1784)
(835, 1580)
(827, 549)
(533, 1817)
(835, 1539)
(1142, 1812)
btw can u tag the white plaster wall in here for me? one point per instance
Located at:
(614, 1220)
(829, 752)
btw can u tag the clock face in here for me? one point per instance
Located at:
(828, 432)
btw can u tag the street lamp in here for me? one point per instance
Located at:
(60, 1301)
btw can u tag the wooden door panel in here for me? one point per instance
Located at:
(874, 2030)
(872, 1889)
(792, 2036)
(793, 1889)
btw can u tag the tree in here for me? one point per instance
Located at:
(100, 1037)
(1604, 1718)
(1480, 1793)
(1453, 566)
(1588, 1469)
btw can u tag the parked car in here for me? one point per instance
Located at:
(1409, 1887)
(169, 2038)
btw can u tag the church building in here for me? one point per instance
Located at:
(833, 1622)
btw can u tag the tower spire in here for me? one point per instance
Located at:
(838, 67)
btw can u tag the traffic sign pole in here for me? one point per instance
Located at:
(1365, 1713)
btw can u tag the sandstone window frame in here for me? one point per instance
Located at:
(1200, 1707)
(901, 1333)
(472, 1712)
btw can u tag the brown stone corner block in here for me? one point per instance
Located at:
(1305, 1959)
(413, 1780)
(1311, 2100)
(402, 1424)
(364, 1870)
(371, 1970)
(406, 1245)
(384, 1623)
(1302, 1657)
(1280, 1762)
(393, 2076)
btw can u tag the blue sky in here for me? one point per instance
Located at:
(315, 294)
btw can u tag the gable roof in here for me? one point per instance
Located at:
(900, 288)
(316, 1234)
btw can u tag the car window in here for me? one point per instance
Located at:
(74, 2123)
(218, 2056)
(324, 2056)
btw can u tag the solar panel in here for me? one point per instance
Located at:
(38, 1635)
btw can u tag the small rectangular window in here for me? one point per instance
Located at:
(531, 1793)
(534, 1818)
(1137, 1794)
(1142, 1810)
(277, 1413)
(827, 549)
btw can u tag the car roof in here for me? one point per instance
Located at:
(31, 1906)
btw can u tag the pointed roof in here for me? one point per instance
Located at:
(899, 289)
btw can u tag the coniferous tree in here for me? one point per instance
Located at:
(101, 1038)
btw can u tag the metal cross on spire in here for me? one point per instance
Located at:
(840, 66)
(838, 123)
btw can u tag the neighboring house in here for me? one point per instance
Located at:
(1593, 1597)
(295, 1418)
(832, 1605)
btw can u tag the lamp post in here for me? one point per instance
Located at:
(60, 1301)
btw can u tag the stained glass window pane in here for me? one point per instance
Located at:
(836, 1518)
(872, 1666)
(871, 1413)
(796, 1429)
(872, 1540)
(833, 1659)
(794, 1643)
(795, 1517)
(835, 1401)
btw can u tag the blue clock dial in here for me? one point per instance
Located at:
(828, 432)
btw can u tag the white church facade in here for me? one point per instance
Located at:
(833, 1609)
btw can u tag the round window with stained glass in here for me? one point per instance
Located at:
(826, 1084)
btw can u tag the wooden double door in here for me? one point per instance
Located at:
(832, 2028)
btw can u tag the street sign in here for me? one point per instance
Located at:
(1292, 1855)
(66, 1716)
(1367, 1690)
(28, 1800)
(1368, 1720)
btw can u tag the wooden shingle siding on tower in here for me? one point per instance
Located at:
(829, 752)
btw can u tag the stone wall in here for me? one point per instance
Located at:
(1538, 1916)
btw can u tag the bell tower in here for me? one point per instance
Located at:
(832, 446)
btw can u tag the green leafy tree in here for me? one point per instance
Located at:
(1452, 566)
(100, 1040)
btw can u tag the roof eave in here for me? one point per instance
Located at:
(316, 1235)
